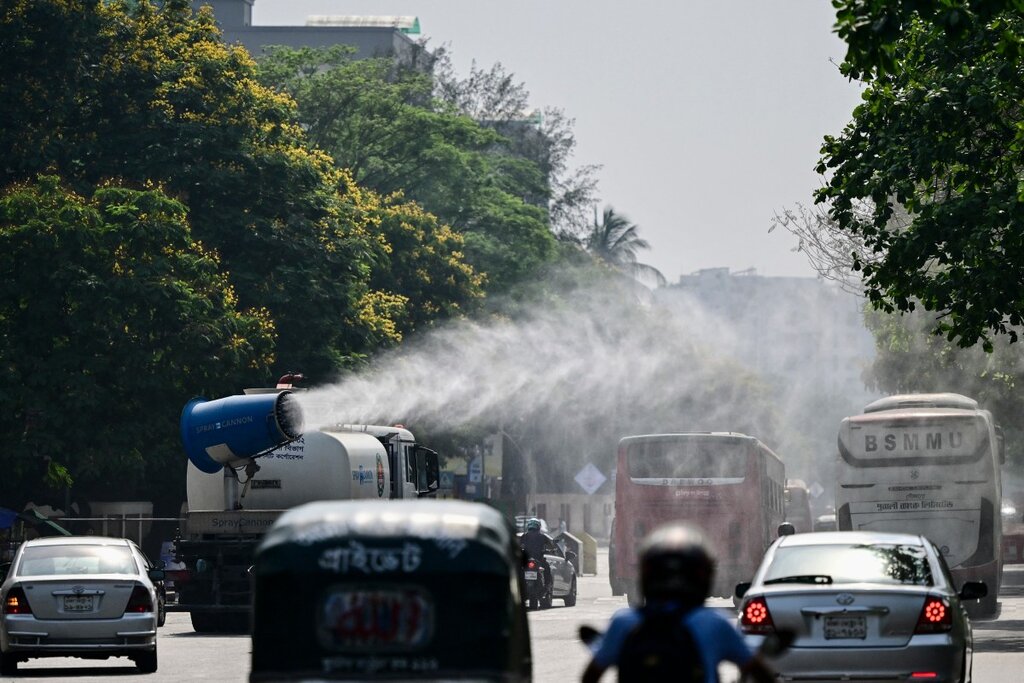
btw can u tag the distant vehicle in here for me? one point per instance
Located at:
(220, 536)
(798, 506)
(79, 596)
(563, 572)
(422, 590)
(729, 485)
(927, 464)
(826, 522)
(871, 606)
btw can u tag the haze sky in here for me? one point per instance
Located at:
(706, 115)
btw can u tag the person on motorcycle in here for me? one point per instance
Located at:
(673, 636)
(533, 542)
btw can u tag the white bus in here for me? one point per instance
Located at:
(927, 464)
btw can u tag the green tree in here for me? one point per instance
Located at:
(111, 315)
(92, 91)
(615, 241)
(543, 138)
(938, 136)
(872, 28)
(381, 121)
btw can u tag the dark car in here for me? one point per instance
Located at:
(563, 584)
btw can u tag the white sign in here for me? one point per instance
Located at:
(590, 478)
(476, 469)
(816, 490)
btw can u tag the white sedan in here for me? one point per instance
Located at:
(864, 607)
(78, 596)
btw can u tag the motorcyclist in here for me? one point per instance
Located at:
(676, 571)
(533, 542)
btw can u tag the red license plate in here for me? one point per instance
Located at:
(392, 619)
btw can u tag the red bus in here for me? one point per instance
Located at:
(730, 485)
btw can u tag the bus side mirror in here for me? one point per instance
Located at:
(742, 588)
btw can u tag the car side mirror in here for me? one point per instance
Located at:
(973, 590)
(156, 574)
(570, 555)
(742, 588)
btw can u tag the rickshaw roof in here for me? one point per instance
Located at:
(426, 519)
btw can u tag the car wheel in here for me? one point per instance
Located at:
(570, 598)
(146, 661)
(8, 665)
(161, 613)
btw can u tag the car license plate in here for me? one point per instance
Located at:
(845, 627)
(530, 576)
(77, 603)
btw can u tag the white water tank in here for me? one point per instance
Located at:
(317, 466)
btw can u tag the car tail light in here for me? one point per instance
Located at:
(924, 674)
(755, 617)
(140, 601)
(16, 602)
(936, 617)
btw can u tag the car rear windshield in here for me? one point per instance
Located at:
(48, 560)
(867, 563)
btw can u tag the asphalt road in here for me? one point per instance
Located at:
(558, 655)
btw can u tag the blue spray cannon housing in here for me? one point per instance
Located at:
(232, 430)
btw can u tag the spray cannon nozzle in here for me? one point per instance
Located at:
(229, 431)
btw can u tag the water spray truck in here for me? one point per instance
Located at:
(249, 460)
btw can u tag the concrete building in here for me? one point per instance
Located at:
(783, 328)
(370, 36)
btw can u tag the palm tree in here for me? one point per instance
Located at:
(616, 241)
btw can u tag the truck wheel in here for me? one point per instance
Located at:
(146, 661)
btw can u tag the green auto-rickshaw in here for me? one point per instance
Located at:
(396, 590)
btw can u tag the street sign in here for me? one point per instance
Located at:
(476, 469)
(590, 478)
(447, 480)
(816, 490)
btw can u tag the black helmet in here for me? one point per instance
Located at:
(676, 565)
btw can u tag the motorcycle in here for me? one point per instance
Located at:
(535, 584)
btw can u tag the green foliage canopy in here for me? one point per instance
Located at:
(939, 136)
(381, 121)
(110, 312)
(93, 91)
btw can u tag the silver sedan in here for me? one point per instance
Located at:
(78, 596)
(864, 607)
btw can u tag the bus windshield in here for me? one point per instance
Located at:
(689, 459)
